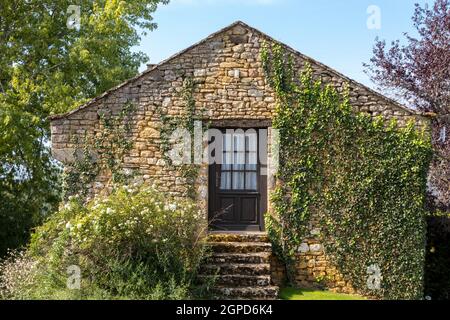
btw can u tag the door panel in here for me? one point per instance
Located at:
(227, 205)
(249, 210)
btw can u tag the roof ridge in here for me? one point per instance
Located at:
(212, 35)
(350, 80)
(148, 70)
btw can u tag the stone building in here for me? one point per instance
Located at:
(230, 92)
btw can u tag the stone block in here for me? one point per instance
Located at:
(255, 93)
(238, 39)
(149, 133)
(303, 248)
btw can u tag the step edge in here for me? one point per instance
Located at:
(211, 265)
(237, 243)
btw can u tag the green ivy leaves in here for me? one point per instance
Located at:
(364, 180)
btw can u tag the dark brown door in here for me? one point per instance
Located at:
(236, 187)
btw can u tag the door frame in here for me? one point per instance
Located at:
(261, 192)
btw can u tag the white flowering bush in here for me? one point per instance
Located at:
(135, 243)
(17, 275)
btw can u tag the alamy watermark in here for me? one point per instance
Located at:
(227, 147)
(443, 135)
(374, 19)
(74, 277)
(74, 20)
(374, 277)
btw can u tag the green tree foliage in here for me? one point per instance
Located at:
(417, 71)
(49, 65)
(362, 181)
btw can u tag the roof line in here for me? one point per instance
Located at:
(337, 73)
(156, 66)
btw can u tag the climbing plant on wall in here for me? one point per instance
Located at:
(186, 121)
(102, 151)
(362, 181)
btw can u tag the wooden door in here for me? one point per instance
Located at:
(236, 187)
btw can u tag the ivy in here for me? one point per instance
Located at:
(189, 171)
(362, 181)
(101, 152)
(82, 171)
(113, 141)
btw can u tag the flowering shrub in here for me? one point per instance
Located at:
(17, 274)
(134, 243)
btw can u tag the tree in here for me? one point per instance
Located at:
(53, 59)
(419, 73)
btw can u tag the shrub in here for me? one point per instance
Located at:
(17, 275)
(362, 180)
(132, 244)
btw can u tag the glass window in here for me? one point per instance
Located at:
(238, 180)
(227, 160)
(251, 142)
(251, 161)
(239, 162)
(225, 181)
(250, 181)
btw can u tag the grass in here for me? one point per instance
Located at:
(308, 294)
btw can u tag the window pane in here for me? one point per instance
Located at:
(227, 142)
(250, 180)
(238, 180)
(251, 142)
(225, 181)
(239, 161)
(239, 142)
(251, 161)
(227, 160)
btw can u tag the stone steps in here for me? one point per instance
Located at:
(238, 280)
(240, 266)
(259, 293)
(258, 257)
(237, 237)
(240, 247)
(247, 269)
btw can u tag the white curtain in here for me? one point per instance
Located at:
(240, 152)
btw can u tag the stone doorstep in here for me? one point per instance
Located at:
(237, 236)
(240, 247)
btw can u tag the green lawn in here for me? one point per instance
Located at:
(308, 294)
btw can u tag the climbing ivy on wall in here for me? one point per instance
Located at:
(102, 151)
(361, 181)
(189, 171)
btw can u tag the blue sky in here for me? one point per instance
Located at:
(334, 32)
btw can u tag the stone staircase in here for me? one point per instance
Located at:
(240, 264)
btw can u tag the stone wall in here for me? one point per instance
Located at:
(315, 270)
(230, 88)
